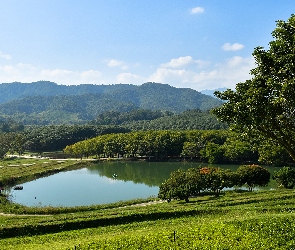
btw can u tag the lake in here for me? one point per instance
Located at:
(105, 182)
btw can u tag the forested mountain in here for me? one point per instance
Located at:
(119, 118)
(48, 103)
(188, 120)
(156, 120)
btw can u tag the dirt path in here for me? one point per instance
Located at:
(25, 215)
(134, 205)
(145, 204)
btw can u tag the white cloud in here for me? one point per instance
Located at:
(90, 76)
(170, 76)
(71, 77)
(234, 46)
(5, 56)
(28, 73)
(116, 63)
(178, 72)
(182, 62)
(178, 62)
(197, 10)
(130, 78)
(225, 74)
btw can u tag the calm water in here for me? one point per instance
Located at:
(96, 184)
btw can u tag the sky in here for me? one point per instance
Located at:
(187, 44)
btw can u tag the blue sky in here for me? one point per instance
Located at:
(189, 44)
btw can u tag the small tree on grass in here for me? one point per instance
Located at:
(181, 185)
(253, 175)
(285, 177)
(217, 179)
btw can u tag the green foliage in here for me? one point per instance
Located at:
(57, 137)
(188, 120)
(239, 149)
(213, 152)
(253, 175)
(184, 184)
(152, 144)
(217, 179)
(117, 118)
(285, 177)
(8, 125)
(265, 103)
(175, 187)
(214, 146)
(5, 143)
(271, 153)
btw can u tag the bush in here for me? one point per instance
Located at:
(253, 175)
(285, 177)
(181, 185)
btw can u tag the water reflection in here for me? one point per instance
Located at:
(105, 182)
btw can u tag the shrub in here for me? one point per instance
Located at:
(285, 177)
(253, 175)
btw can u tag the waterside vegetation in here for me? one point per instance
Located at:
(15, 170)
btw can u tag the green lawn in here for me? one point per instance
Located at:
(258, 220)
(235, 220)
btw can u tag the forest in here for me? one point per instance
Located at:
(192, 135)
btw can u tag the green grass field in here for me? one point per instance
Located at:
(235, 220)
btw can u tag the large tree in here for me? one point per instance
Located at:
(265, 104)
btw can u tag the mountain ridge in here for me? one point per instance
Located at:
(54, 103)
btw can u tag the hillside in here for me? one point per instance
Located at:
(48, 103)
(155, 120)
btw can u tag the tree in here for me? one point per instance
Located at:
(265, 104)
(182, 184)
(216, 179)
(253, 175)
(213, 152)
(5, 143)
(18, 143)
(238, 149)
(285, 177)
(271, 153)
(175, 187)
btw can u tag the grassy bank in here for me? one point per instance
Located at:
(235, 220)
(14, 170)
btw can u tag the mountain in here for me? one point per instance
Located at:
(48, 103)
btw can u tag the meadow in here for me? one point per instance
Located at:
(234, 220)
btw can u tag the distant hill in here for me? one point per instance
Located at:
(48, 103)
(154, 120)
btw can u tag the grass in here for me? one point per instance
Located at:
(16, 170)
(235, 220)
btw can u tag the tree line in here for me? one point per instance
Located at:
(213, 146)
(50, 138)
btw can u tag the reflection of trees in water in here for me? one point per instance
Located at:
(149, 173)
(152, 173)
